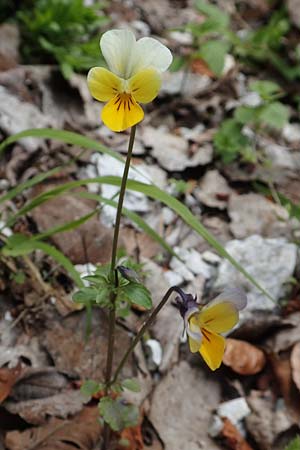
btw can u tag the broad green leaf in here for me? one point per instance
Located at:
(118, 414)
(138, 294)
(266, 89)
(218, 18)
(178, 63)
(131, 385)
(85, 295)
(93, 296)
(91, 387)
(274, 114)
(229, 140)
(214, 52)
(245, 114)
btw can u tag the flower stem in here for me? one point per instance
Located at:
(147, 323)
(114, 276)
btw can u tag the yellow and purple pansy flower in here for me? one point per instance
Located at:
(205, 324)
(134, 76)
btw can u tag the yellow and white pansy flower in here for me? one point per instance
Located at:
(134, 76)
(204, 325)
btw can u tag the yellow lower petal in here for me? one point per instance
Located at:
(121, 112)
(194, 345)
(212, 349)
(219, 318)
(144, 85)
(103, 84)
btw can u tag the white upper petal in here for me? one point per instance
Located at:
(118, 47)
(236, 296)
(151, 53)
(125, 57)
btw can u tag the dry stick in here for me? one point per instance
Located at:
(113, 275)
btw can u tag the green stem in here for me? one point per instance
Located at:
(113, 276)
(147, 323)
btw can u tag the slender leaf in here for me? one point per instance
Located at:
(22, 246)
(157, 194)
(136, 219)
(65, 227)
(28, 184)
(61, 135)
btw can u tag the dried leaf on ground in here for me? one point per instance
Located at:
(37, 411)
(65, 340)
(90, 240)
(233, 438)
(133, 436)
(243, 358)
(295, 364)
(8, 378)
(38, 383)
(83, 431)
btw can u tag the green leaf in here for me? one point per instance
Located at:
(178, 63)
(138, 294)
(245, 115)
(267, 90)
(63, 136)
(135, 219)
(12, 193)
(274, 114)
(20, 245)
(91, 387)
(294, 444)
(131, 385)
(187, 216)
(150, 190)
(217, 19)
(118, 414)
(229, 140)
(91, 295)
(66, 226)
(214, 52)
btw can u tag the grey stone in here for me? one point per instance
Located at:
(254, 214)
(214, 190)
(271, 262)
(181, 408)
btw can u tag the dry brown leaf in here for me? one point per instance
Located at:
(233, 438)
(201, 67)
(295, 364)
(134, 436)
(82, 432)
(243, 358)
(8, 377)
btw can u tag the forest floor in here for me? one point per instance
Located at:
(227, 147)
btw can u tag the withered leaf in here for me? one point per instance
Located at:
(295, 364)
(8, 377)
(82, 432)
(233, 438)
(243, 358)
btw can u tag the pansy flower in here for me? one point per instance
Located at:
(204, 325)
(134, 76)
